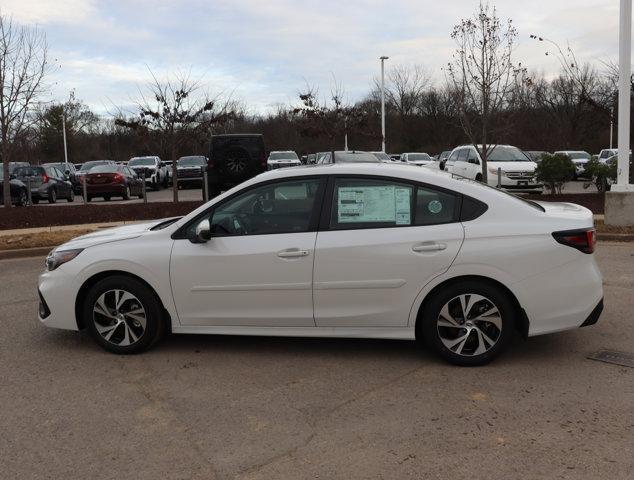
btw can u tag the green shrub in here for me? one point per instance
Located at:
(600, 173)
(554, 171)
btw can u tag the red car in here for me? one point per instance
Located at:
(112, 181)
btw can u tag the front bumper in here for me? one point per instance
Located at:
(55, 290)
(274, 166)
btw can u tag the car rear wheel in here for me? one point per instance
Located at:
(71, 196)
(52, 196)
(469, 323)
(106, 198)
(123, 315)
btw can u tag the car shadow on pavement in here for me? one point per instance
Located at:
(547, 348)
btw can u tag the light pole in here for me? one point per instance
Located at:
(64, 135)
(611, 125)
(625, 71)
(383, 103)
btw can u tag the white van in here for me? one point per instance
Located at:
(517, 170)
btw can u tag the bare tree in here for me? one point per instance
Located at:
(405, 87)
(176, 110)
(482, 75)
(23, 65)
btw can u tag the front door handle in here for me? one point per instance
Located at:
(429, 247)
(293, 253)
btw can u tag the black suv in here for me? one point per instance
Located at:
(234, 159)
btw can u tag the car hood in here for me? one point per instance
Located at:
(513, 166)
(115, 234)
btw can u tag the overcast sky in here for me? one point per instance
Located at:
(264, 52)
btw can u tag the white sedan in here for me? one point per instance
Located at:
(349, 250)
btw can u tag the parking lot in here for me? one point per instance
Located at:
(242, 407)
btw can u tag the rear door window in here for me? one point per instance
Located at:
(370, 203)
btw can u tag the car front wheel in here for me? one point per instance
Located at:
(123, 315)
(469, 323)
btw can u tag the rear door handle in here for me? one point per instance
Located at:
(429, 247)
(292, 253)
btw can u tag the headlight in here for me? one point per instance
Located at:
(494, 171)
(57, 258)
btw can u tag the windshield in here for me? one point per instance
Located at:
(412, 157)
(191, 161)
(283, 156)
(382, 156)
(88, 165)
(579, 155)
(60, 166)
(105, 169)
(28, 171)
(145, 161)
(502, 153)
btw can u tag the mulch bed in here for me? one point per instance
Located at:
(592, 201)
(46, 216)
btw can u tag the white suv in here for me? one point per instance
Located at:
(517, 170)
(281, 159)
(154, 170)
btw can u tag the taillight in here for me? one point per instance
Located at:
(45, 179)
(210, 163)
(583, 240)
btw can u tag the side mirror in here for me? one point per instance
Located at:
(202, 233)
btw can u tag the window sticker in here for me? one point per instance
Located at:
(434, 206)
(366, 204)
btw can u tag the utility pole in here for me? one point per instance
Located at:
(383, 103)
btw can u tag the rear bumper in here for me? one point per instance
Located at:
(562, 298)
(594, 315)
(111, 189)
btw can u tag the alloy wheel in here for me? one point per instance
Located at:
(119, 317)
(469, 324)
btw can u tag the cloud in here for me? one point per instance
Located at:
(46, 12)
(264, 52)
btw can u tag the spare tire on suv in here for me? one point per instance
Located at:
(233, 159)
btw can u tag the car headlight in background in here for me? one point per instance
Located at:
(494, 171)
(57, 258)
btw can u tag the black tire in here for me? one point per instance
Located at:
(478, 177)
(35, 201)
(126, 193)
(88, 198)
(52, 196)
(427, 327)
(155, 321)
(140, 194)
(107, 198)
(71, 196)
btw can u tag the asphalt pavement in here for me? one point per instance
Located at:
(207, 407)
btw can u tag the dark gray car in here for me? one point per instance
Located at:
(45, 183)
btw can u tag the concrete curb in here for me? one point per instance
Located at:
(615, 237)
(25, 252)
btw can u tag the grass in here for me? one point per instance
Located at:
(41, 239)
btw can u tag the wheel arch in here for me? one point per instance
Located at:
(92, 281)
(521, 320)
